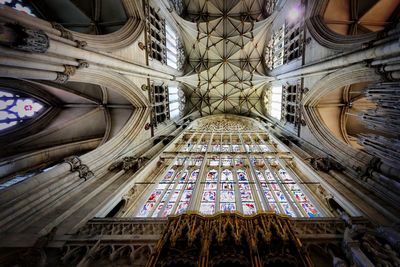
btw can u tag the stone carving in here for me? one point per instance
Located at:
(218, 234)
(64, 33)
(61, 78)
(144, 87)
(270, 6)
(325, 164)
(74, 162)
(21, 38)
(80, 44)
(180, 57)
(177, 5)
(141, 45)
(225, 125)
(365, 246)
(76, 166)
(324, 195)
(82, 64)
(132, 241)
(128, 163)
(69, 70)
(35, 41)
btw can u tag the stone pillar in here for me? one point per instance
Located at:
(353, 251)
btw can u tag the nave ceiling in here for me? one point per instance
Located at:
(224, 43)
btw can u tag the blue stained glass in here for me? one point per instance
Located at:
(15, 109)
(19, 5)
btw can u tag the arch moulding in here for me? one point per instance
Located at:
(338, 149)
(328, 38)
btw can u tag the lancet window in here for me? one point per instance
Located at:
(224, 171)
(172, 43)
(161, 103)
(156, 35)
(286, 44)
(274, 52)
(294, 38)
(290, 103)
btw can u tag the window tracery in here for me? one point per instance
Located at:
(156, 34)
(16, 109)
(286, 44)
(218, 170)
(291, 103)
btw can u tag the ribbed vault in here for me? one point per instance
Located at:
(224, 43)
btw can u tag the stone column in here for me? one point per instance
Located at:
(353, 251)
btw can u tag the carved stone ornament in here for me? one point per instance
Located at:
(82, 64)
(141, 45)
(366, 246)
(35, 41)
(76, 166)
(81, 44)
(21, 38)
(64, 33)
(127, 163)
(73, 162)
(61, 78)
(325, 164)
(144, 87)
(69, 70)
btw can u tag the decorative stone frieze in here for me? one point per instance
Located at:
(82, 64)
(128, 163)
(76, 165)
(64, 33)
(61, 78)
(325, 164)
(69, 70)
(21, 38)
(117, 245)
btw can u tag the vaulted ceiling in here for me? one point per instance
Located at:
(353, 17)
(92, 17)
(224, 43)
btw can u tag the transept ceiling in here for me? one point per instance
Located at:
(224, 42)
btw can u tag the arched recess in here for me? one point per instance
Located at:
(35, 196)
(338, 24)
(52, 18)
(340, 108)
(121, 38)
(80, 117)
(356, 160)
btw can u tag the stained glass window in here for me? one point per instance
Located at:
(22, 177)
(240, 172)
(19, 5)
(15, 109)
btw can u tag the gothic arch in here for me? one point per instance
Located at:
(338, 148)
(121, 38)
(325, 36)
(35, 190)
